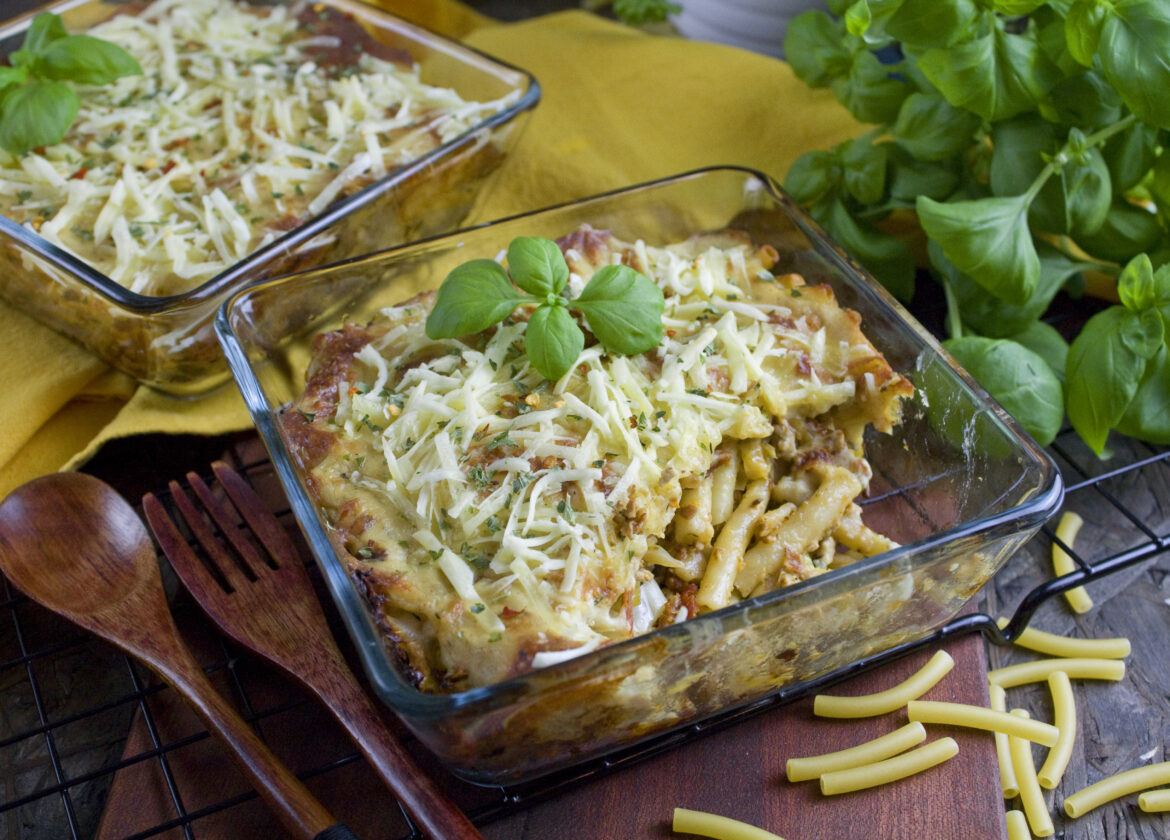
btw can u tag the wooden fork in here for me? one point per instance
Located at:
(268, 605)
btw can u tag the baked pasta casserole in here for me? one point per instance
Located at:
(246, 121)
(496, 522)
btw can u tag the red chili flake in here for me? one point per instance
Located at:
(79, 174)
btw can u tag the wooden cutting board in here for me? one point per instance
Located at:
(737, 772)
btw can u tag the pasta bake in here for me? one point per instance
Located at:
(497, 522)
(246, 121)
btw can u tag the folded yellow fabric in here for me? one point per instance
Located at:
(618, 107)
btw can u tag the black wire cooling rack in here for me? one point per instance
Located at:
(68, 700)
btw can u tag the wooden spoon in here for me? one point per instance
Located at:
(72, 544)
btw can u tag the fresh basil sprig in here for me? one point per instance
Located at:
(622, 308)
(37, 107)
(1030, 140)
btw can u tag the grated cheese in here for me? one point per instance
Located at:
(551, 503)
(236, 131)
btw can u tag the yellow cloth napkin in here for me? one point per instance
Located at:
(618, 107)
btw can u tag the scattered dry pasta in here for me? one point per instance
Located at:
(979, 717)
(1120, 784)
(1017, 826)
(1031, 797)
(1153, 801)
(1056, 645)
(892, 743)
(890, 769)
(1066, 531)
(1065, 717)
(1007, 774)
(721, 828)
(1038, 670)
(869, 705)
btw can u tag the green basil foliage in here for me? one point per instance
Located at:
(1029, 138)
(37, 103)
(622, 308)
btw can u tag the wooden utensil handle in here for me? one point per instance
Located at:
(298, 810)
(427, 804)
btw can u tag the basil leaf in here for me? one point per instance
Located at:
(932, 129)
(1014, 8)
(923, 24)
(863, 166)
(1018, 379)
(43, 31)
(623, 309)
(1084, 190)
(1132, 52)
(12, 76)
(1126, 232)
(990, 316)
(1103, 374)
(815, 48)
(85, 60)
(553, 341)
(995, 75)
(886, 257)
(910, 177)
(473, 296)
(537, 265)
(1046, 342)
(1135, 284)
(987, 239)
(812, 176)
(1148, 415)
(1019, 147)
(870, 91)
(1130, 155)
(1082, 29)
(36, 114)
(1085, 99)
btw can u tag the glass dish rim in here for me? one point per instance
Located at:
(120, 296)
(1044, 501)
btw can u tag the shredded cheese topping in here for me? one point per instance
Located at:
(545, 509)
(246, 121)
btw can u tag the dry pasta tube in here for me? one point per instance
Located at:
(1038, 671)
(1066, 531)
(979, 717)
(890, 769)
(1154, 801)
(1031, 797)
(1017, 826)
(1065, 717)
(868, 705)
(1120, 784)
(721, 828)
(1056, 645)
(1007, 773)
(892, 743)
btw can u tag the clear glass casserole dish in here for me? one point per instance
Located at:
(165, 338)
(958, 485)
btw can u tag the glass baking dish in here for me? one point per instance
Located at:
(167, 341)
(958, 485)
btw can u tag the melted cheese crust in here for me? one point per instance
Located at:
(496, 521)
(246, 121)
